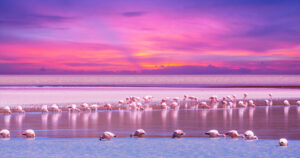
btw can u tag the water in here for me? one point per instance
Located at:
(151, 80)
(146, 147)
(68, 134)
(267, 122)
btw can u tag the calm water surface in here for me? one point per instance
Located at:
(146, 147)
(267, 122)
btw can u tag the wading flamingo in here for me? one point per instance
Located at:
(29, 133)
(55, 108)
(138, 133)
(20, 109)
(250, 135)
(73, 108)
(283, 142)
(234, 134)
(214, 133)
(44, 108)
(178, 133)
(94, 107)
(107, 135)
(7, 110)
(251, 103)
(286, 103)
(108, 106)
(85, 107)
(5, 133)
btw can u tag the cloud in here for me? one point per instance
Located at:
(133, 14)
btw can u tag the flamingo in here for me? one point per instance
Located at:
(94, 107)
(298, 102)
(164, 106)
(213, 102)
(242, 104)
(283, 142)
(29, 133)
(7, 109)
(85, 107)
(234, 101)
(174, 105)
(214, 133)
(5, 133)
(176, 99)
(269, 101)
(108, 106)
(73, 108)
(178, 133)
(107, 135)
(234, 134)
(245, 99)
(203, 105)
(138, 133)
(44, 108)
(286, 103)
(20, 109)
(250, 135)
(55, 108)
(251, 103)
(133, 106)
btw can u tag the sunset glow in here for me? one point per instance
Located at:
(74, 37)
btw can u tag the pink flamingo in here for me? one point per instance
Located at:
(108, 106)
(73, 108)
(7, 110)
(44, 108)
(286, 103)
(174, 105)
(107, 135)
(5, 133)
(94, 107)
(55, 108)
(85, 107)
(251, 103)
(214, 133)
(250, 135)
(29, 133)
(234, 134)
(178, 133)
(283, 142)
(20, 109)
(298, 102)
(138, 133)
(269, 101)
(164, 106)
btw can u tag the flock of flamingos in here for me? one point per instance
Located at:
(137, 103)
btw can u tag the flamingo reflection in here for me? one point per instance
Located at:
(44, 118)
(7, 120)
(19, 118)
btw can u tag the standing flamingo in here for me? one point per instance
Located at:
(298, 102)
(286, 103)
(94, 107)
(107, 135)
(108, 106)
(251, 103)
(85, 107)
(178, 133)
(138, 133)
(55, 108)
(73, 108)
(7, 110)
(44, 108)
(20, 109)
(5, 133)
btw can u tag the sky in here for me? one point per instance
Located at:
(149, 37)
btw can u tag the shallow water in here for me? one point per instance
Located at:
(146, 147)
(267, 122)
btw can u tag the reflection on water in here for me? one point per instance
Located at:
(267, 122)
